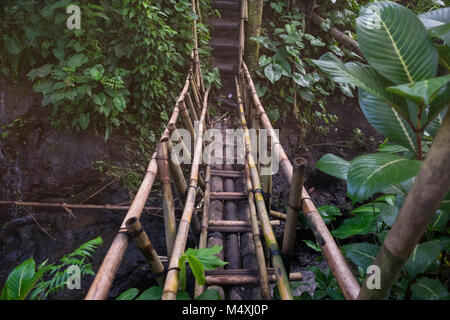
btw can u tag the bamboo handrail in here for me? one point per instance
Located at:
(172, 281)
(105, 275)
(277, 262)
(260, 257)
(336, 261)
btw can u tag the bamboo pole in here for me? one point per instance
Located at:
(177, 174)
(105, 275)
(198, 70)
(267, 179)
(172, 281)
(72, 206)
(168, 204)
(277, 262)
(198, 290)
(228, 195)
(277, 214)
(338, 265)
(294, 203)
(137, 233)
(260, 257)
(236, 280)
(237, 223)
(191, 107)
(429, 189)
(186, 119)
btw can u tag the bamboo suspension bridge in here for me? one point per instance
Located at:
(235, 214)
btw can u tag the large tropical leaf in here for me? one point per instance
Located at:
(438, 22)
(362, 254)
(428, 289)
(387, 120)
(395, 42)
(21, 280)
(334, 166)
(363, 223)
(371, 173)
(422, 257)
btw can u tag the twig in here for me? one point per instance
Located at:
(40, 227)
(100, 190)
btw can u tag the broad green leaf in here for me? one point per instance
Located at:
(13, 44)
(130, 294)
(391, 148)
(438, 22)
(334, 166)
(421, 92)
(264, 61)
(183, 295)
(422, 257)
(21, 281)
(371, 173)
(182, 274)
(363, 223)
(387, 120)
(153, 293)
(312, 245)
(84, 120)
(99, 98)
(395, 42)
(207, 256)
(97, 71)
(209, 294)
(433, 127)
(362, 76)
(440, 101)
(282, 63)
(273, 72)
(120, 103)
(328, 213)
(197, 269)
(388, 213)
(428, 289)
(77, 60)
(41, 72)
(362, 254)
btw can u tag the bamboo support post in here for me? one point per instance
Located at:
(105, 275)
(191, 107)
(237, 223)
(429, 189)
(277, 262)
(186, 119)
(177, 174)
(338, 265)
(197, 67)
(266, 180)
(172, 281)
(137, 233)
(262, 267)
(166, 190)
(294, 203)
(228, 195)
(204, 231)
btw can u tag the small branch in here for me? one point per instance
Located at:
(100, 190)
(37, 223)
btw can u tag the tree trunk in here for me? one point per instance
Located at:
(425, 197)
(253, 29)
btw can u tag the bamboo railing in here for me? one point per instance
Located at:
(336, 261)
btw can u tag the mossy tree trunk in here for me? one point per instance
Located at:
(253, 29)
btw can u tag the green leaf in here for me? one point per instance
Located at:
(84, 120)
(264, 61)
(183, 295)
(438, 23)
(209, 294)
(273, 72)
(391, 148)
(328, 213)
(421, 92)
(387, 120)
(362, 76)
(385, 31)
(312, 245)
(422, 257)
(99, 98)
(334, 166)
(77, 60)
(207, 256)
(362, 254)
(182, 274)
(130, 294)
(197, 269)
(153, 293)
(120, 103)
(97, 71)
(428, 289)
(21, 281)
(371, 173)
(13, 44)
(363, 223)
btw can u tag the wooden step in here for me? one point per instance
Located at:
(224, 24)
(227, 173)
(241, 279)
(227, 5)
(229, 195)
(226, 226)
